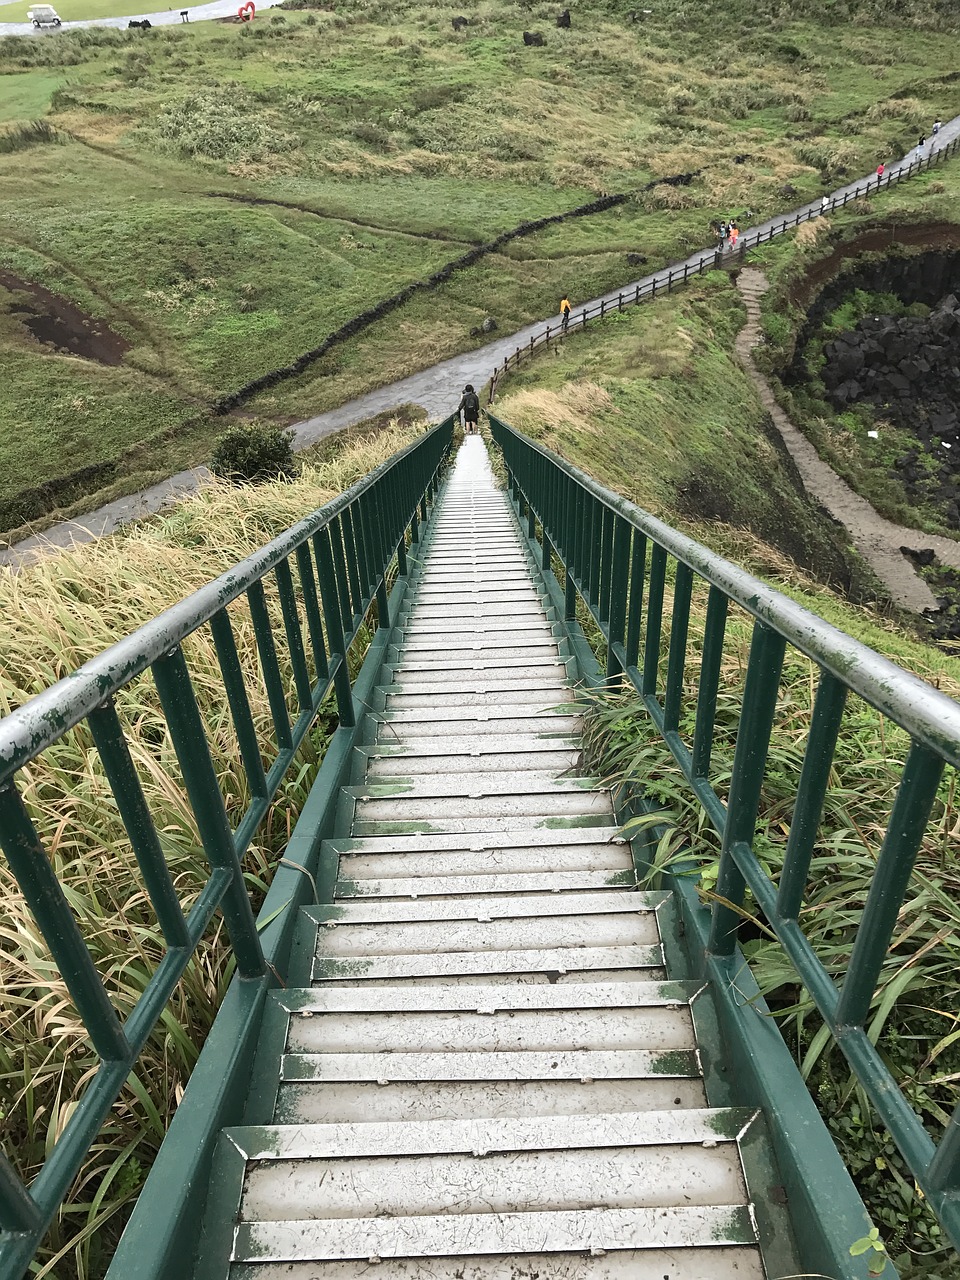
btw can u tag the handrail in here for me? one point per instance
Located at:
(328, 572)
(680, 272)
(601, 540)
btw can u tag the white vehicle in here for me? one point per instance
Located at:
(43, 15)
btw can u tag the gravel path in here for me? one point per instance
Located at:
(438, 388)
(878, 540)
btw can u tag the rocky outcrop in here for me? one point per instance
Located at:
(906, 368)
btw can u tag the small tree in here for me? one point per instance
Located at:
(253, 453)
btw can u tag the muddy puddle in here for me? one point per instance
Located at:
(56, 322)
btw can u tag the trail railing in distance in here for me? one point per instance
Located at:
(618, 559)
(319, 580)
(679, 273)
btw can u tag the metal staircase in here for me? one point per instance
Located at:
(460, 1042)
(485, 1072)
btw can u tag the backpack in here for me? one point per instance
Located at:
(471, 404)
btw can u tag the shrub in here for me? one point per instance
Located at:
(220, 124)
(253, 453)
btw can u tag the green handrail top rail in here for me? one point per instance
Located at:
(927, 714)
(601, 540)
(343, 555)
(30, 729)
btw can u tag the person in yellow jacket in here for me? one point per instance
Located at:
(564, 312)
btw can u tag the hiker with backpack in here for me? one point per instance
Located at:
(469, 406)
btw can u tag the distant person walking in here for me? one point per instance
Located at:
(824, 204)
(734, 235)
(880, 169)
(921, 144)
(469, 406)
(564, 313)
(937, 126)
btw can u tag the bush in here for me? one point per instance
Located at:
(253, 453)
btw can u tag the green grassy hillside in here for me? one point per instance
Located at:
(380, 145)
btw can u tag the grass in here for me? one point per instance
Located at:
(403, 142)
(60, 612)
(654, 404)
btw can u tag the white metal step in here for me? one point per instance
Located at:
(383, 868)
(463, 757)
(548, 964)
(419, 723)
(304, 1102)
(641, 907)
(420, 886)
(450, 1235)
(555, 841)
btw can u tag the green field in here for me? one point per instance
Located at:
(381, 145)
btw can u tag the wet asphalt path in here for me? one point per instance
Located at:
(438, 388)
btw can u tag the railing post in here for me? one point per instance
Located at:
(187, 730)
(337, 657)
(908, 821)
(749, 761)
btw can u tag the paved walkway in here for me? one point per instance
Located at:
(163, 18)
(438, 388)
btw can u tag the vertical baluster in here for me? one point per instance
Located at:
(651, 643)
(276, 695)
(749, 761)
(351, 611)
(638, 569)
(311, 604)
(713, 634)
(620, 567)
(200, 777)
(124, 781)
(606, 565)
(326, 576)
(811, 792)
(357, 581)
(678, 647)
(291, 626)
(44, 895)
(573, 509)
(238, 702)
(908, 821)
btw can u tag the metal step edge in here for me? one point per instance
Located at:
(446, 1235)
(526, 782)
(386, 765)
(476, 825)
(490, 999)
(497, 1064)
(609, 835)
(544, 723)
(509, 907)
(520, 882)
(489, 963)
(441, 863)
(708, 1127)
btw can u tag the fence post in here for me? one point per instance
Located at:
(669, 280)
(619, 301)
(602, 308)
(653, 287)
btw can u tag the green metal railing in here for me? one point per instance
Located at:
(615, 557)
(326, 572)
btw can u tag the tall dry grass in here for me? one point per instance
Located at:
(58, 613)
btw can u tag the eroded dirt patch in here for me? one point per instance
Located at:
(56, 322)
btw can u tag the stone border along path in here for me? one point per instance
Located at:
(878, 540)
(438, 388)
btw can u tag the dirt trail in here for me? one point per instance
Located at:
(877, 540)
